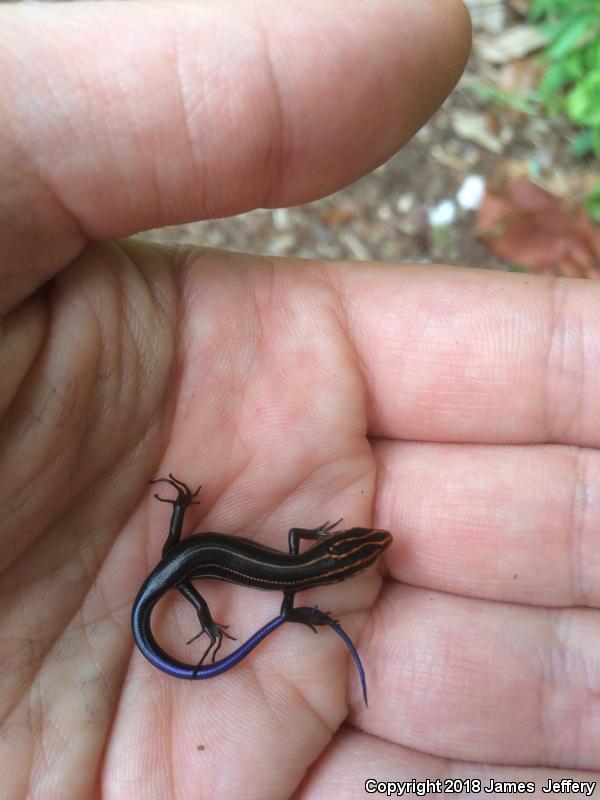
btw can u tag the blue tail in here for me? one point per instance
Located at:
(349, 644)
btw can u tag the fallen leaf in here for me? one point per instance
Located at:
(520, 6)
(338, 214)
(519, 76)
(487, 15)
(476, 127)
(515, 42)
(526, 225)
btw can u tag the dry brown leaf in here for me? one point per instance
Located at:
(513, 43)
(519, 76)
(475, 127)
(526, 225)
(338, 214)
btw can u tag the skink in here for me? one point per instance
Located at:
(335, 556)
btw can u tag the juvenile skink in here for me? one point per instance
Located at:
(335, 556)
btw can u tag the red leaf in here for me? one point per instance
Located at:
(526, 225)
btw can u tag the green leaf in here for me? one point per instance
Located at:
(591, 54)
(554, 79)
(568, 38)
(582, 102)
(574, 66)
(592, 203)
(581, 145)
(551, 31)
(537, 9)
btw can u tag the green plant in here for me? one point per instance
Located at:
(593, 202)
(526, 102)
(572, 77)
(571, 80)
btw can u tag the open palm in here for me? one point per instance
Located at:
(458, 409)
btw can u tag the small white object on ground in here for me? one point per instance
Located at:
(443, 214)
(470, 194)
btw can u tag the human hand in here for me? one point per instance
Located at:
(263, 379)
